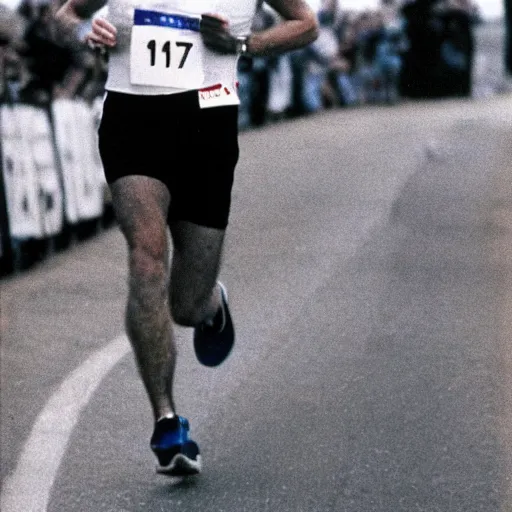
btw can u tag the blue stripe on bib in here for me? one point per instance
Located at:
(162, 19)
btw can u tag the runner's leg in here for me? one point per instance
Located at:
(197, 250)
(141, 204)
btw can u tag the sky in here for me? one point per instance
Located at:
(489, 8)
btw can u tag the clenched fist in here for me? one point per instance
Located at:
(103, 34)
(216, 35)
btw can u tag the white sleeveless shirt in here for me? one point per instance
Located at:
(159, 49)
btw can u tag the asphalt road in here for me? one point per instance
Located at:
(369, 267)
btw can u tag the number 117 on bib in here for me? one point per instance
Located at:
(161, 58)
(169, 53)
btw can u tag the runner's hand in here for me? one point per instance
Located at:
(216, 36)
(103, 34)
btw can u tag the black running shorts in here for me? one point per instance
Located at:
(192, 151)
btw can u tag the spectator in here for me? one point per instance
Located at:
(56, 68)
(280, 83)
(366, 47)
(280, 88)
(244, 91)
(424, 34)
(439, 59)
(391, 45)
(12, 71)
(458, 45)
(260, 73)
(347, 81)
(321, 58)
(379, 60)
(297, 61)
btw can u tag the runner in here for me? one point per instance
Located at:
(169, 146)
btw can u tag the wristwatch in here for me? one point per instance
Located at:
(241, 45)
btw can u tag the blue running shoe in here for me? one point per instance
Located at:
(213, 343)
(177, 454)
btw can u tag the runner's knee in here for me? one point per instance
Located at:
(148, 271)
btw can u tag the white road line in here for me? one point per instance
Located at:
(28, 488)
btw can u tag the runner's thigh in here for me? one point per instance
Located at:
(141, 204)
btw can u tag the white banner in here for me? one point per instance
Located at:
(32, 188)
(75, 134)
(36, 126)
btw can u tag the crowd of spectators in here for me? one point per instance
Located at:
(364, 58)
(355, 60)
(40, 63)
(358, 58)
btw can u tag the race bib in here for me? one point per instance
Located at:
(166, 50)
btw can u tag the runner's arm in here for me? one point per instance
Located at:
(74, 12)
(299, 28)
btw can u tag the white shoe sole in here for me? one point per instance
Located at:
(181, 465)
